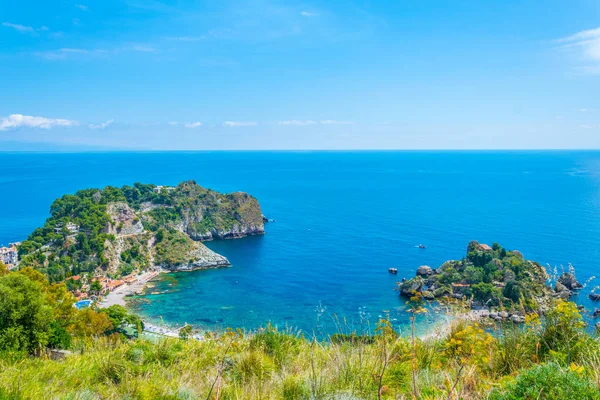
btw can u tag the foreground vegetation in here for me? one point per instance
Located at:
(553, 358)
(552, 361)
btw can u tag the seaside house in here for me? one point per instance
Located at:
(9, 256)
(485, 247)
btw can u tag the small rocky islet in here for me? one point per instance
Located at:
(498, 283)
(115, 231)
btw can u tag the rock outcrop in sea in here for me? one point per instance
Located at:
(490, 278)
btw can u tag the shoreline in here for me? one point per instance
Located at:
(117, 296)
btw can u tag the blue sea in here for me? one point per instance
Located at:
(341, 220)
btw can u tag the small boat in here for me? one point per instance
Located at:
(422, 246)
(393, 271)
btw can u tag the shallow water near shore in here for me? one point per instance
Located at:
(342, 219)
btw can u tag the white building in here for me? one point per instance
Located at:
(9, 256)
(159, 189)
(71, 227)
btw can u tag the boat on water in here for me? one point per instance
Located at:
(393, 271)
(422, 246)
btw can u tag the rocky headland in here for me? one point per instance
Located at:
(115, 231)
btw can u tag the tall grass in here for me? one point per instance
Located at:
(466, 363)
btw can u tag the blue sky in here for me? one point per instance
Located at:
(150, 74)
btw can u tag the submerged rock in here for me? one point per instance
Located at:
(594, 296)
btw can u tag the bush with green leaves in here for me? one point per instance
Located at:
(548, 382)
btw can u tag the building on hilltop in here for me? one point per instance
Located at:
(160, 188)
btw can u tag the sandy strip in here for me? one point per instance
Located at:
(118, 295)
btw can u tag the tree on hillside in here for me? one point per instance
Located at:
(121, 318)
(25, 317)
(185, 332)
(89, 323)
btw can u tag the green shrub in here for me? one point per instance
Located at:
(547, 382)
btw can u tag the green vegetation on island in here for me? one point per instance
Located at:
(114, 230)
(491, 278)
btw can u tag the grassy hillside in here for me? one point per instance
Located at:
(553, 356)
(556, 361)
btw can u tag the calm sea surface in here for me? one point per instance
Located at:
(342, 219)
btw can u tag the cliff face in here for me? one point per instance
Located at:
(208, 215)
(118, 230)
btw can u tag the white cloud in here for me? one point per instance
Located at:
(102, 125)
(81, 7)
(586, 45)
(193, 124)
(297, 122)
(334, 122)
(20, 28)
(15, 121)
(309, 14)
(237, 123)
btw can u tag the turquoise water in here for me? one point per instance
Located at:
(342, 219)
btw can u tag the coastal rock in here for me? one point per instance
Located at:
(424, 270)
(428, 295)
(124, 220)
(410, 287)
(562, 291)
(594, 296)
(503, 314)
(569, 281)
(200, 257)
(559, 287)
(517, 319)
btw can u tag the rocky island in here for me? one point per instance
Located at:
(115, 231)
(499, 282)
